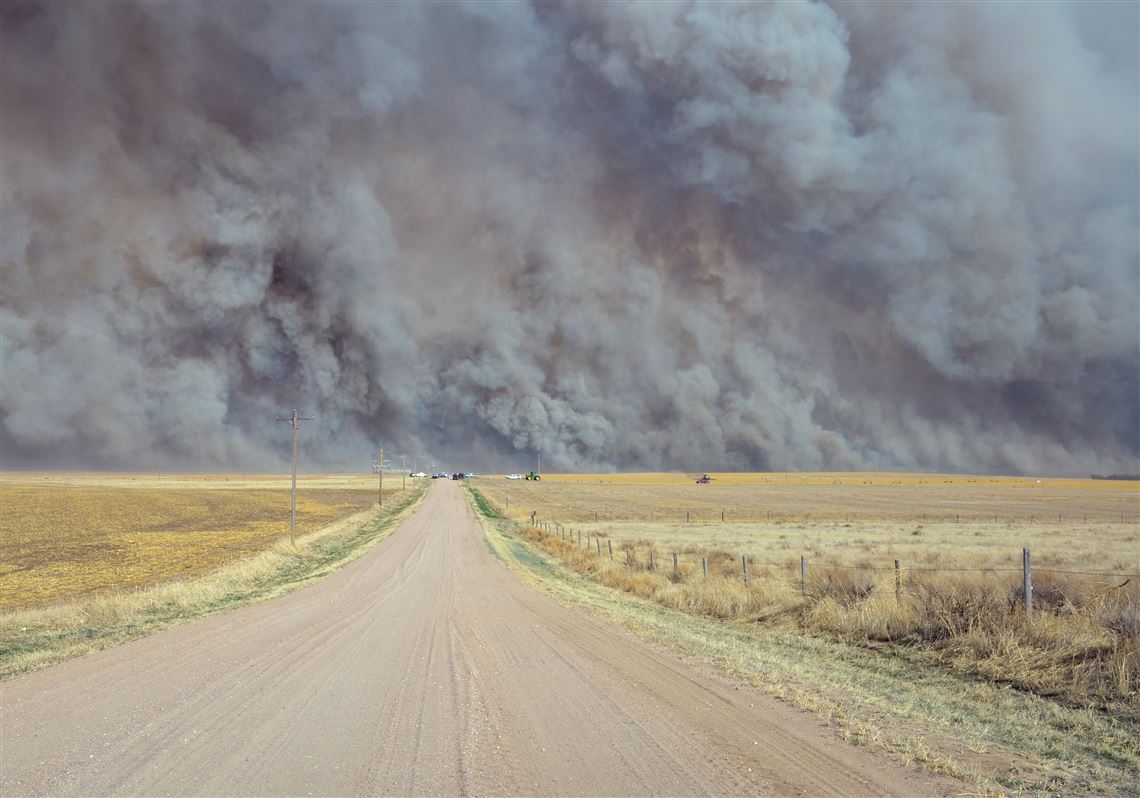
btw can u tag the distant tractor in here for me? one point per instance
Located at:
(532, 476)
(706, 479)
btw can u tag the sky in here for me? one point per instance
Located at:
(648, 236)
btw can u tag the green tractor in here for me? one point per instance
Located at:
(532, 475)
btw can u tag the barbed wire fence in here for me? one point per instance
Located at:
(808, 570)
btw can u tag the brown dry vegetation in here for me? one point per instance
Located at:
(35, 637)
(69, 536)
(1082, 644)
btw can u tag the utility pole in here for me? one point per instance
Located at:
(295, 422)
(381, 461)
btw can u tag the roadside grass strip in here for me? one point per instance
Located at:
(35, 638)
(997, 739)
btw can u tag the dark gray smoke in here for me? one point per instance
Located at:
(657, 235)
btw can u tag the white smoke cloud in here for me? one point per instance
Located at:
(677, 235)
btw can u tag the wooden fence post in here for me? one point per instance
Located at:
(674, 563)
(686, 516)
(705, 566)
(598, 540)
(1027, 572)
(898, 582)
(610, 543)
(744, 563)
(722, 516)
(803, 575)
(652, 564)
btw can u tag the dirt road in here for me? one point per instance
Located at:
(423, 668)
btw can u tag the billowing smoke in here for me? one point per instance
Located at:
(655, 235)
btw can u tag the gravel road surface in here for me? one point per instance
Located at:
(423, 668)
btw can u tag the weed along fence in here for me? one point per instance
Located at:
(816, 581)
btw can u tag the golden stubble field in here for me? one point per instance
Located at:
(857, 519)
(70, 536)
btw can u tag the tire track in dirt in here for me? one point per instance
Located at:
(424, 667)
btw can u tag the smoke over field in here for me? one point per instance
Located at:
(653, 235)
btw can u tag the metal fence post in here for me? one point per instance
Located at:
(803, 575)
(1027, 571)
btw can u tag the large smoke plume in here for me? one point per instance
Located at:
(656, 235)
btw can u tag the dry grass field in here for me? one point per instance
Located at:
(950, 676)
(65, 537)
(865, 520)
(959, 539)
(108, 559)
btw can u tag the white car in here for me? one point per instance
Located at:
(514, 476)
(419, 474)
